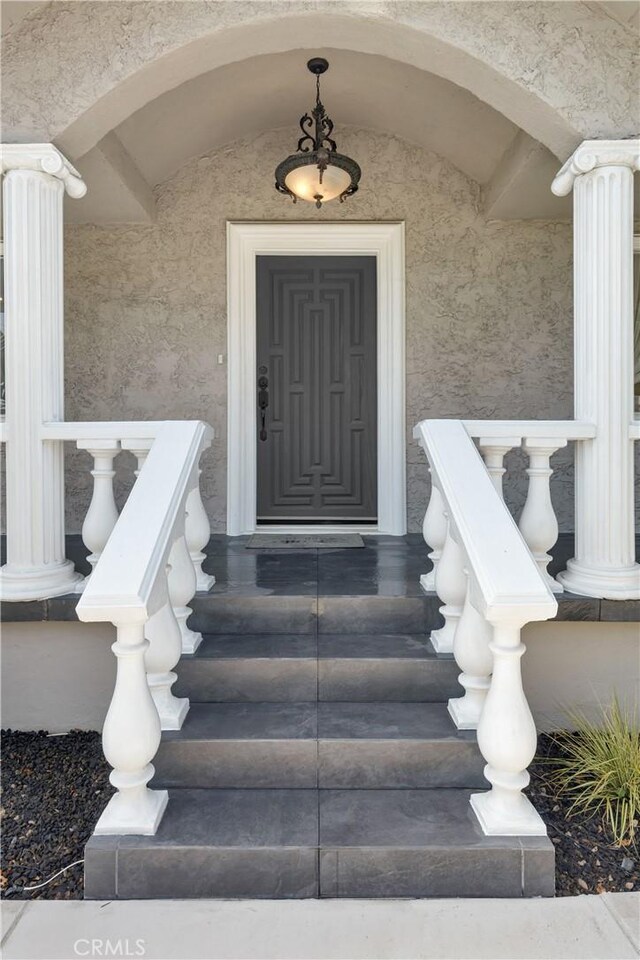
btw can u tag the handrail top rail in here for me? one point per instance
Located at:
(553, 429)
(102, 429)
(126, 586)
(505, 582)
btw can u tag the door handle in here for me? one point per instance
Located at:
(263, 403)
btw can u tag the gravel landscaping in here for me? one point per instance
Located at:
(55, 787)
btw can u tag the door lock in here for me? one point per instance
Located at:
(263, 403)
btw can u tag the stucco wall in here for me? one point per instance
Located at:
(60, 676)
(489, 327)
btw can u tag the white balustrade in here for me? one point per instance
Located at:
(507, 740)
(538, 523)
(182, 587)
(434, 531)
(130, 739)
(130, 587)
(197, 533)
(494, 451)
(102, 514)
(473, 656)
(164, 651)
(451, 587)
(502, 589)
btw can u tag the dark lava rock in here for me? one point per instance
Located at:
(54, 788)
(586, 859)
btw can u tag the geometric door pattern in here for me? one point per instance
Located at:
(316, 389)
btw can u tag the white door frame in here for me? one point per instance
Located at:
(246, 241)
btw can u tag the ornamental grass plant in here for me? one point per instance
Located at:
(596, 770)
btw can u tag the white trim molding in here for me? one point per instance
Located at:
(246, 241)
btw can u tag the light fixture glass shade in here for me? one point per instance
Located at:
(305, 183)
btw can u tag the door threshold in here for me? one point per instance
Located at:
(333, 529)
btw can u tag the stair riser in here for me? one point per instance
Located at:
(449, 872)
(433, 681)
(284, 873)
(183, 872)
(308, 614)
(338, 764)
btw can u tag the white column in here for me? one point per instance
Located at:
(35, 178)
(434, 531)
(538, 523)
(601, 175)
(507, 740)
(102, 514)
(451, 586)
(182, 586)
(493, 452)
(197, 531)
(130, 739)
(473, 655)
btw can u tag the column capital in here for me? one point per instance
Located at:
(43, 158)
(596, 153)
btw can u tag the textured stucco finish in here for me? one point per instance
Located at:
(489, 325)
(561, 71)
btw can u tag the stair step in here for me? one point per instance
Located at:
(309, 843)
(295, 607)
(304, 745)
(276, 667)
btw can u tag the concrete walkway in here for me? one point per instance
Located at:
(572, 928)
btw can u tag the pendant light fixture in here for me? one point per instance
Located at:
(317, 172)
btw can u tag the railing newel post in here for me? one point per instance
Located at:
(130, 738)
(507, 740)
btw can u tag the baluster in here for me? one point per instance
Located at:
(164, 651)
(507, 741)
(434, 531)
(102, 514)
(494, 450)
(473, 656)
(538, 523)
(140, 449)
(197, 532)
(451, 587)
(182, 586)
(130, 739)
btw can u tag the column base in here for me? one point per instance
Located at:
(204, 581)
(38, 583)
(606, 583)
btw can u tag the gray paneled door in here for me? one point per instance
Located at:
(316, 389)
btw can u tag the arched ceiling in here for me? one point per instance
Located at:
(131, 90)
(272, 91)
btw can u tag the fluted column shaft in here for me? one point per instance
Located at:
(33, 189)
(601, 173)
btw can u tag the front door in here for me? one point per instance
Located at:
(316, 390)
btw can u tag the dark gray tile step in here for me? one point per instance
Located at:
(241, 745)
(276, 667)
(304, 745)
(423, 843)
(392, 745)
(253, 667)
(309, 843)
(214, 843)
(401, 667)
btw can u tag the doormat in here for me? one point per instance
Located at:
(334, 541)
